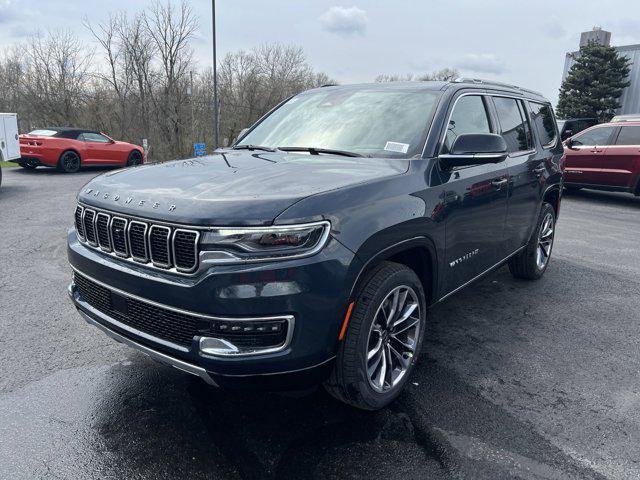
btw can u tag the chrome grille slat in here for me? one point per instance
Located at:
(102, 231)
(138, 241)
(88, 222)
(78, 219)
(118, 231)
(162, 246)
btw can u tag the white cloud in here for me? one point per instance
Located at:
(345, 21)
(481, 63)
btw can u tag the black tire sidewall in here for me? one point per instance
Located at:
(372, 398)
(132, 155)
(62, 166)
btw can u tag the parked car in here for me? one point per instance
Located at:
(605, 157)
(312, 249)
(573, 126)
(69, 149)
(9, 149)
(626, 118)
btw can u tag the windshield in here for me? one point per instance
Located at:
(375, 121)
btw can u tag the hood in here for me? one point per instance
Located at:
(230, 187)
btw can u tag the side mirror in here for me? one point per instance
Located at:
(570, 144)
(242, 132)
(475, 149)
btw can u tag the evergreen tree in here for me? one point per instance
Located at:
(594, 83)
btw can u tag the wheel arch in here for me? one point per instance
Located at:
(553, 196)
(418, 253)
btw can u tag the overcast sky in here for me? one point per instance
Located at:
(520, 42)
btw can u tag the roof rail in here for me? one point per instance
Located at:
(480, 81)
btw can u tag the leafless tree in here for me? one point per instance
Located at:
(445, 74)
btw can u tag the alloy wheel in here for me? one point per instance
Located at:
(545, 241)
(393, 338)
(70, 162)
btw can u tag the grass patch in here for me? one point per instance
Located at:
(8, 164)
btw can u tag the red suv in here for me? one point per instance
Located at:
(604, 157)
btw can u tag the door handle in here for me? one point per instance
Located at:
(499, 182)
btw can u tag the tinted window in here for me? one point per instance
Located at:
(469, 116)
(542, 118)
(94, 137)
(597, 136)
(513, 128)
(629, 136)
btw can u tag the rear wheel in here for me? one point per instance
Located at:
(135, 158)
(385, 331)
(69, 162)
(532, 262)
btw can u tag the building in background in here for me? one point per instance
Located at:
(630, 99)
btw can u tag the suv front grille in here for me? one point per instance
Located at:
(157, 245)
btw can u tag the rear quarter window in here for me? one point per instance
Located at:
(629, 136)
(544, 121)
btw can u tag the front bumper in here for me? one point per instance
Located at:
(313, 291)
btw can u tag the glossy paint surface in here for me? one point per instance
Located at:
(47, 150)
(466, 221)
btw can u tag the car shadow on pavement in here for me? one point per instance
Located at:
(55, 171)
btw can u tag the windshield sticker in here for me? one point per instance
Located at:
(397, 147)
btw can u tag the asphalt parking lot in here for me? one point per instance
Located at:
(517, 380)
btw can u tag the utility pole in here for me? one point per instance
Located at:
(215, 77)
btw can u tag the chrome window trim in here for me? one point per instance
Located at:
(108, 248)
(144, 259)
(173, 250)
(169, 247)
(126, 237)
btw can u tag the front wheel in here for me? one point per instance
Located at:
(69, 162)
(532, 262)
(383, 339)
(135, 158)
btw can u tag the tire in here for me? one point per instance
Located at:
(69, 162)
(351, 381)
(532, 262)
(135, 158)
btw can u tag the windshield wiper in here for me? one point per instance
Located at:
(254, 147)
(317, 151)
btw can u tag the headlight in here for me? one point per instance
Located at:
(259, 244)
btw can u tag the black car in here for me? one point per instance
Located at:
(312, 249)
(572, 126)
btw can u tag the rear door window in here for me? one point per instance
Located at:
(469, 116)
(598, 136)
(629, 136)
(514, 128)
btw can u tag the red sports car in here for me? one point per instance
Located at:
(68, 149)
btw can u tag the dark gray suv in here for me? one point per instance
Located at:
(312, 249)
